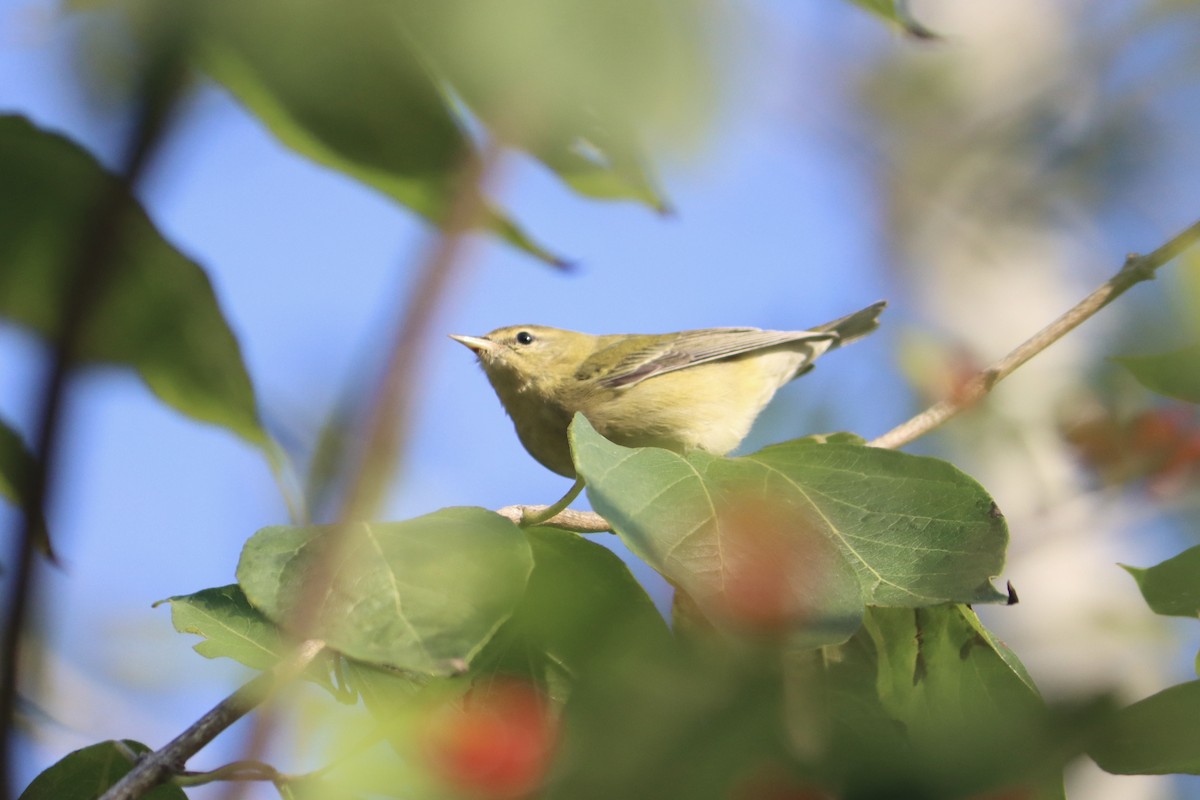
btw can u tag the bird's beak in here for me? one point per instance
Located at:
(478, 345)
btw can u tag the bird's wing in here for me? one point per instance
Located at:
(689, 348)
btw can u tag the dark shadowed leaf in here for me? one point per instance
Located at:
(801, 535)
(670, 723)
(16, 474)
(86, 774)
(16, 466)
(1155, 736)
(421, 595)
(581, 599)
(1175, 374)
(158, 316)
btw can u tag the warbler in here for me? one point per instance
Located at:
(691, 390)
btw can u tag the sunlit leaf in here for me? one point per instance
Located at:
(1155, 736)
(421, 595)
(85, 774)
(158, 314)
(1174, 374)
(801, 534)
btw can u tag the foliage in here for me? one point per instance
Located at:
(824, 643)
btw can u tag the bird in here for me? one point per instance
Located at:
(685, 391)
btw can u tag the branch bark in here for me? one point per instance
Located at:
(1137, 268)
(159, 766)
(568, 519)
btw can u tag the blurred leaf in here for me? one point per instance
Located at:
(1175, 374)
(232, 628)
(581, 599)
(1171, 588)
(581, 85)
(159, 314)
(896, 11)
(341, 83)
(16, 466)
(16, 472)
(1155, 736)
(668, 723)
(421, 595)
(800, 534)
(85, 774)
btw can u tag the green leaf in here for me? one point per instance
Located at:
(581, 599)
(232, 628)
(341, 83)
(159, 314)
(673, 723)
(928, 700)
(941, 671)
(1174, 374)
(1155, 736)
(421, 595)
(87, 773)
(1171, 588)
(578, 84)
(801, 534)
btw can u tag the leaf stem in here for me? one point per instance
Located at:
(532, 517)
(1137, 268)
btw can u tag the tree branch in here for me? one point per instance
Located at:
(1137, 268)
(568, 519)
(154, 768)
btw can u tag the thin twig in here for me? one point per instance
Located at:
(86, 281)
(568, 519)
(1137, 268)
(154, 768)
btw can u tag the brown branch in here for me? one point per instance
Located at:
(1137, 268)
(154, 768)
(568, 519)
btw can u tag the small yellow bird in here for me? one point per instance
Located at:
(692, 390)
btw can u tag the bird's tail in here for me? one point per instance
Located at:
(856, 325)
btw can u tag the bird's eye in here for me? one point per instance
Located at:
(524, 337)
